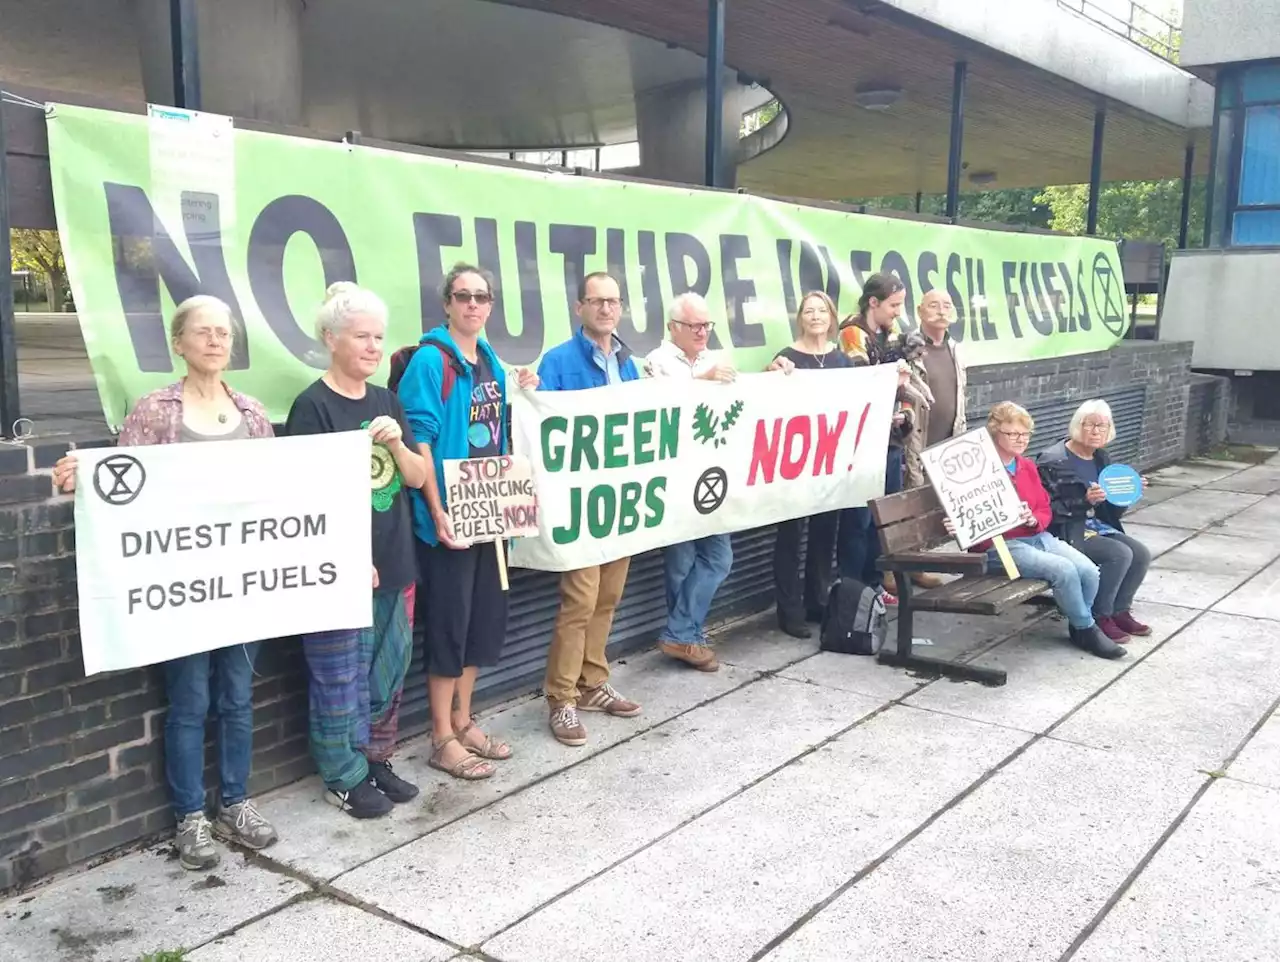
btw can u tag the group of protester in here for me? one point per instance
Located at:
(446, 400)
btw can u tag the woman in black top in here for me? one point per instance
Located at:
(356, 676)
(813, 350)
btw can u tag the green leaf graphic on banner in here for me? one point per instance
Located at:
(705, 423)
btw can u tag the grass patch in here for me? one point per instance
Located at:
(1244, 453)
(168, 955)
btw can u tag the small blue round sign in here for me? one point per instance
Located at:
(1121, 484)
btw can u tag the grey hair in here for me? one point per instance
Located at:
(689, 299)
(456, 271)
(1096, 408)
(194, 305)
(343, 301)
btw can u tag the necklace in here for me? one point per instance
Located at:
(822, 360)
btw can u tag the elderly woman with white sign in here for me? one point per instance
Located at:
(201, 407)
(1037, 553)
(357, 675)
(455, 393)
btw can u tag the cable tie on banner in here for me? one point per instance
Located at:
(23, 430)
(11, 98)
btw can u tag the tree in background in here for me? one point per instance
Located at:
(1139, 210)
(40, 251)
(1017, 207)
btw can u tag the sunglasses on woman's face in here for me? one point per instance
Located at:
(466, 297)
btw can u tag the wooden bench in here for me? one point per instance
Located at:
(910, 524)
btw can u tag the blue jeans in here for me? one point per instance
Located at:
(1073, 576)
(858, 543)
(224, 678)
(694, 570)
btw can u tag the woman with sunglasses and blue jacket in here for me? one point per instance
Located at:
(454, 392)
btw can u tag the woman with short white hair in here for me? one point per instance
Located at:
(357, 675)
(202, 407)
(1085, 519)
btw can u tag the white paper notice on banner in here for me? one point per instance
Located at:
(184, 548)
(491, 499)
(974, 487)
(193, 168)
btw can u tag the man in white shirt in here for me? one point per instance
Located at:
(694, 569)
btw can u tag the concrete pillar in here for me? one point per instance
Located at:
(250, 57)
(671, 126)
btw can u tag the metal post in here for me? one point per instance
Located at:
(715, 91)
(1095, 170)
(184, 38)
(10, 407)
(955, 155)
(919, 197)
(1188, 165)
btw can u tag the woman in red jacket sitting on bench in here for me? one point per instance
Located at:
(1037, 553)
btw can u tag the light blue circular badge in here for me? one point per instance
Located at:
(1121, 484)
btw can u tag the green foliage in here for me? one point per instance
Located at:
(166, 955)
(1138, 210)
(1017, 206)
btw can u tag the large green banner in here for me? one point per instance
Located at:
(155, 208)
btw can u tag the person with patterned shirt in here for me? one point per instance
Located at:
(356, 675)
(202, 407)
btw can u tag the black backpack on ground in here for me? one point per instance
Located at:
(855, 621)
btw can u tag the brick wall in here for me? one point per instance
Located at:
(1161, 368)
(81, 769)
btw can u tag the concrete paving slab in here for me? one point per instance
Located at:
(1261, 480)
(322, 928)
(1259, 597)
(733, 879)
(1047, 676)
(535, 845)
(1220, 463)
(324, 843)
(1211, 894)
(1195, 509)
(137, 904)
(1262, 521)
(1157, 493)
(1188, 589)
(1192, 702)
(1158, 539)
(1260, 761)
(1191, 474)
(865, 676)
(762, 647)
(1013, 872)
(1220, 554)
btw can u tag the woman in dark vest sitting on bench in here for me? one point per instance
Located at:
(1086, 520)
(1037, 553)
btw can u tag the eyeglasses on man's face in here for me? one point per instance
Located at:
(599, 303)
(702, 327)
(466, 297)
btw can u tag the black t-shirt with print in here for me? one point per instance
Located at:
(805, 361)
(321, 410)
(484, 430)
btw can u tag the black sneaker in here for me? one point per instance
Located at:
(363, 801)
(1093, 641)
(391, 784)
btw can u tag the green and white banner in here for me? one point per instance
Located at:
(624, 469)
(152, 209)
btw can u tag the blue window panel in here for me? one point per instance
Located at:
(1260, 157)
(1256, 228)
(1260, 84)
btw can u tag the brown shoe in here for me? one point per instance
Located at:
(700, 656)
(604, 698)
(924, 580)
(566, 726)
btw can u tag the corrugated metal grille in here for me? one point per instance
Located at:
(535, 599)
(1053, 418)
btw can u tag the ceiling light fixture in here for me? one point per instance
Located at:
(877, 98)
(982, 177)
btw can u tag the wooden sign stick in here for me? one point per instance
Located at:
(502, 563)
(1006, 558)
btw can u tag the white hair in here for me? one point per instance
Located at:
(343, 301)
(1095, 408)
(194, 305)
(682, 302)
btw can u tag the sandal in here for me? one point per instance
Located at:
(469, 768)
(491, 749)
